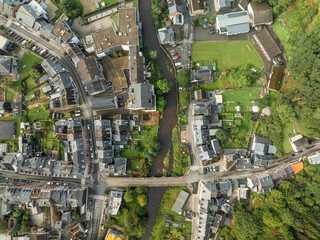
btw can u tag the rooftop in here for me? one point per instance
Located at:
(127, 34)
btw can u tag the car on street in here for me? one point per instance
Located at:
(105, 204)
(105, 217)
(50, 183)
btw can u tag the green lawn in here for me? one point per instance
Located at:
(27, 60)
(239, 95)
(135, 164)
(130, 154)
(228, 54)
(109, 3)
(9, 96)
(135, 3)
(159, 230)
(26, 67)
(231, 107)
(36, 114)
(283, 35)
(286, 134)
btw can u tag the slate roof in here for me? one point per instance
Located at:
(165, 35)
(7, 129)
(6, 65)
(265, 41)
(261, 13)
(104, 103)
(141, 95)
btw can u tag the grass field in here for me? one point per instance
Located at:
(229, 54)
(240, 95)
(36, 114)
(9, 96)
(26, 67)
(286, 134)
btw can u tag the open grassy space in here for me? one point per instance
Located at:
(286, 134)
(26, 67)
(26, 64)
(36, 114)
(159, 230)
(231, 107)
(240, 95)
(283, 35)
(228, 54)
(9, 96)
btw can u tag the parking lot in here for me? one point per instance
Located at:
(180, 56)
(27, 43)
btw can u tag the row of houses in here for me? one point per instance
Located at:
(205, 119)
(62, 90)
(75, 136)
(213, 207)
(32, 197)
(266, 181)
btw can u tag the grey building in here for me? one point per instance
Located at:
(221, 4)
(104, 103)
(166, 36)
(7, 130)
(233, 23)
(141, 97)
(26, 15)
(5, 44)
(180, 201)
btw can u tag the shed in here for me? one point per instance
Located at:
(181, 200)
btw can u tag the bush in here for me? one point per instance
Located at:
(247, 116)
(183, 77)
(184, 98)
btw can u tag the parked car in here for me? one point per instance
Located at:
(50, 183)
(179, 68)
(189, 58)
(176, 57)
(173, 53)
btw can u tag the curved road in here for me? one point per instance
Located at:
(169, 119)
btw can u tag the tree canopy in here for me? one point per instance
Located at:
(183, 77)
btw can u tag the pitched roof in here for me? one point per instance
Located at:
(297, 167)
(165, 35)
(233, 23)
(180, 201)
(262, 13)
(141, 95)
(276, 76)
(268, 45)
(6, 65)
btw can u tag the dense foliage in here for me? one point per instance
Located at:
(291, 212)
(73, 8)
(160, 13)
(183, 77)
(184, 98)
(243, 77)
(301, 103)
(132, 215)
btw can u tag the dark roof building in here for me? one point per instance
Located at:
(5, 44)
(260, 13)
(243, 4)
(267, 44)
(91, 73)
(166, 35)
(104, 103)
(197, 7)
(7, 129)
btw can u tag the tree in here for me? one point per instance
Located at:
(7, 83)
(183, 77)
(161, 102)
(129, 195)
(143, 200)
(222, 135)
(141, 190)
(76, 216)
(106, 192)
(248, 116)
(1, 27)
(184, 98)
(164, 85)
(285, 113)
(36, 66)
(153, 54)
(45, 106)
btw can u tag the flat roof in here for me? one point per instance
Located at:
(181, 200)
(127, 34)
(7, 129)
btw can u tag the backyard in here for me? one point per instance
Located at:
(228, 54)
(26, 70)
(36, 114)
(9, 96)
(159, 230)
(241, 95)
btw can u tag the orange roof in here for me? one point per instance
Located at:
(297, 167)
